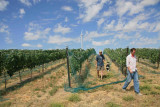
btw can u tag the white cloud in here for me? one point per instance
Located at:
(67, 8)
(61, 29)
(26, 45)
(31, 36)
(157, 27)
(93, 34)
(108, 13)
(102, 43)
(142, 40)
(57, 39)
(25, 2)
(90, 8)
(74, 25)
(29, 45)
(35, 32)
(28, 2)
(123, 6)
(36, 1)
(21, 12)
(136, 24)
(4, 28)
(110, 26)
(100, 21)
(3, 4)
(123, 36)
(8, 40)
(39, 46)
(66, 19)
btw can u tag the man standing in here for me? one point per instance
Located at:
(132, 72)
(100, 63)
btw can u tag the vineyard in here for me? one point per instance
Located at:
(68, 78)
(118, 56)
(12, 61)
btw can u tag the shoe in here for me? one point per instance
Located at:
(139, 94)
(124, 90)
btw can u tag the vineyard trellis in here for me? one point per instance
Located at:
(153, 55)
(76, 58)
(118, 56)
(12, 61)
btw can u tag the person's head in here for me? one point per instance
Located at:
(133, 50)
(100, 52)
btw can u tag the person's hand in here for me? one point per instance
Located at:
(131, 72)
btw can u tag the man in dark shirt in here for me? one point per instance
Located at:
(100, 63)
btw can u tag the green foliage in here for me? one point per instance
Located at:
(77, 57)
(117, 56)
(56, 105)
(74, 98)
(14, 60)
(157, 87)
(128, 98)
(6, 104)
(145, 87)
(152, 54)
(53, 91)
(111, 104)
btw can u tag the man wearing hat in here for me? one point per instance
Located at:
(100, 63)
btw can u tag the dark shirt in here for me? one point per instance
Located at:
(99, 59)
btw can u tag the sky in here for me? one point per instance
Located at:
(55, 24)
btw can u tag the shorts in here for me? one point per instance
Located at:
(100, 68)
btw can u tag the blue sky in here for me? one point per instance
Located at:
(52, 24)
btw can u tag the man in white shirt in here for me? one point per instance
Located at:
(132, 72)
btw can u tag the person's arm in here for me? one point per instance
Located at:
(103, 58)
(128, 65)
(96, 61)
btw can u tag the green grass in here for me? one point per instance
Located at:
(145, 87)
(157, 87)
(111, 104)
(6, 104)
(37, 89)
(93, 90)
(52, 77)
(43, 90)
(38, 95)
(74, 98)
(154, 72)
(50, 84)
(128, 98)
(53, 91)
(108, 87)
(109, 75)
(146, 81)
(155, 93)
(56, 105)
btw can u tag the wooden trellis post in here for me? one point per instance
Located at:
(69, 81)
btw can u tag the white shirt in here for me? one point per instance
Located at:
(131, 62)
